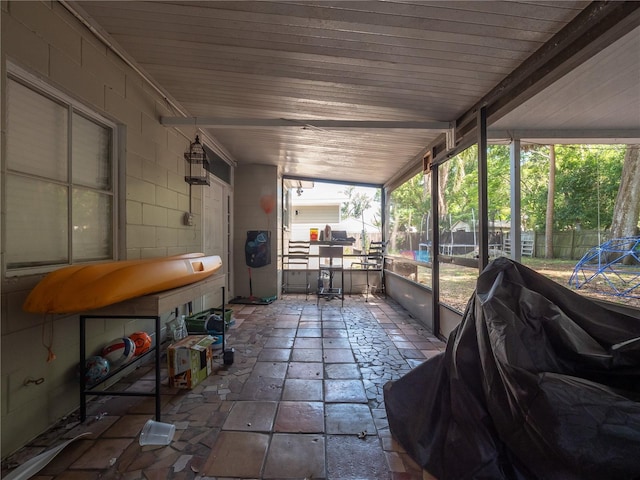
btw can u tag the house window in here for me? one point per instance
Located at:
(59, 196)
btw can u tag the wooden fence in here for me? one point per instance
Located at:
(570, 245)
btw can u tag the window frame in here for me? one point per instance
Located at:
(286, 209)
(73, 106)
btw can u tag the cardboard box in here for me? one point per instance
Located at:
(190, 360)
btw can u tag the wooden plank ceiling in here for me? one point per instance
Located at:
(330, 63)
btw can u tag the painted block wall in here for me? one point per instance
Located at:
(251, 184)
(44, 39)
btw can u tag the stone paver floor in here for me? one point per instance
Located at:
(303, 399)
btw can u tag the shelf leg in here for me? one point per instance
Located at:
(83, 371)
(157, 358)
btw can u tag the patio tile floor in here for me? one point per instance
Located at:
(303, 399)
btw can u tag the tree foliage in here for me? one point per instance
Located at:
(627, 206)
(408, 206)
(587, 181)
(355, 205)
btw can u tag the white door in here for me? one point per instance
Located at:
(215, 231)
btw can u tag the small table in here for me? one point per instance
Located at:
(331, 243)
(331, 250)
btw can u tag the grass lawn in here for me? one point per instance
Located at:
(458, 283)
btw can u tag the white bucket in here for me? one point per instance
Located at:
(157, 433)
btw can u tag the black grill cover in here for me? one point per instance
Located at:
(536, 382)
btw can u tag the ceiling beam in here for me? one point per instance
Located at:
(612, 134)
(316, 180)
(595, 28)
(216, 122)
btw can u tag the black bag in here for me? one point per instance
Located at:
(537, 382)
(215, 323)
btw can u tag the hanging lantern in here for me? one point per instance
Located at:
(196, 157)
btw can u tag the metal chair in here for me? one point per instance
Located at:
(296, 260)
(372, 261)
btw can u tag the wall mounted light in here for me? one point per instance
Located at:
(196, 157)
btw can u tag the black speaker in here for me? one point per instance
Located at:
(257, 248)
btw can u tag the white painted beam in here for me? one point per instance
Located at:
(216, 122)
(611, 135)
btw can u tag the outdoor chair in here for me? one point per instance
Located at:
(296, 264)
(372, 261)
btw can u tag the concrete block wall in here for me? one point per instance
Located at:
(45, 40)
(251, 183)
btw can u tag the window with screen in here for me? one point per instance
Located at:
(59, 193)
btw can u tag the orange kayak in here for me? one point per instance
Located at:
(80, 288)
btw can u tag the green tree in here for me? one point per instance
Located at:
(407, 206)
(587, 182)
(588, 179)
(461, 190)
(549, 214)
(627, 204)
(355, 206)
(533, 186)
(499, 182)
